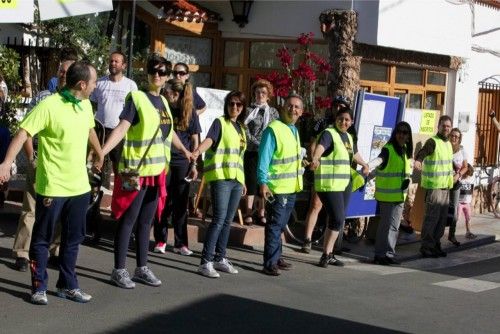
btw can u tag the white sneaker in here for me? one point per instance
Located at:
(121, 278)
(225, 266)
(183, 251)
(160, 247)
(146, 276)
(207, 270)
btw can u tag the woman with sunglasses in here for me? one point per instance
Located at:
(460, 168)
(391, 185)
(223, 169)
(181, 171)
(146, 125)
(331, 160)
(181, 72)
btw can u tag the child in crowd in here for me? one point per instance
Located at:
(465, 199)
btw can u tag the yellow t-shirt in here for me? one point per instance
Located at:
(63, 132)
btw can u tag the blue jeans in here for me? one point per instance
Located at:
(279, 213)
(71, 212)
(225, 196)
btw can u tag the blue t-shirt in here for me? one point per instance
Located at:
(198, 101)
(52, 85)
(130, 113)
(193, 128)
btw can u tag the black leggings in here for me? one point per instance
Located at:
(142, 210)
(176, 206)
(335, 203)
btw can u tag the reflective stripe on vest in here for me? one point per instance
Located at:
(389, 180)
(334, 171)
(226, 162)
(285, 170)
(139, 136)
(437, 170)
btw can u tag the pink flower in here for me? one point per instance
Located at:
(284, 56)
(304, 71)
(323, 102)
(305, 39)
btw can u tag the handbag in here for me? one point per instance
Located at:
(130, 176)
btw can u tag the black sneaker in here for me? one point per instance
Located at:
(21, 264)
(272, 271)
(283, 265)
(325, 260)
(306, 246)
(335, 262)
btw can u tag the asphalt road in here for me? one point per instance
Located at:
(457, 294)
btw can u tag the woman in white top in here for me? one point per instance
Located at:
(460, 169)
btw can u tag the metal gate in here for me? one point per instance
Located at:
(486, 147)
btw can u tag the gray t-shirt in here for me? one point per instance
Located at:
(110, 99)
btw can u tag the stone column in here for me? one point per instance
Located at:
(339, 28)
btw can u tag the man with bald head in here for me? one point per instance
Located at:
(22, 238)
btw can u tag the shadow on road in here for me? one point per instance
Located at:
(230, 314)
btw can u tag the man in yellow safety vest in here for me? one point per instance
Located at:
(279, 174)
(437, 179)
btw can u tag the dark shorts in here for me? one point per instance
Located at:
(250, 161)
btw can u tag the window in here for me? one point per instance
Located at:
(436, 78)
(420, 88)
(189, 50)
(409, 76)
(263, 54)
(245, 59)
(373, 72)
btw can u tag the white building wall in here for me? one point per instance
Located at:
(480, 66)
(287, 19)
(433, 26)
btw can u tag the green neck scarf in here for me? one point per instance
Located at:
(66, 94)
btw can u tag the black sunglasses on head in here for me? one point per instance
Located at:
(181, 73)
(161, 72)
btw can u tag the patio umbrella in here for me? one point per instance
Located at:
(22, 11)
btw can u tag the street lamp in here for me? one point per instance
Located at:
(241, 10)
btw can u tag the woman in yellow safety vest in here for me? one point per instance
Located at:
(146, 124)
(331, 161)
(223, 169)
(391, 184)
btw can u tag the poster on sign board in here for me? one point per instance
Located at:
(381, 136)
(428, 122)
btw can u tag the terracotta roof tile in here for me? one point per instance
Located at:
(489, 3)
(184, 10)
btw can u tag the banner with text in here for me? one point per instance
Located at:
(16, 11)
(53, 9)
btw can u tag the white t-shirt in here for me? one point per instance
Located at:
(466, 190)
(110, 99)
(458, 159)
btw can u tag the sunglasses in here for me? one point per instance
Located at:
(161, 72)
(404, 132)
(238, 104)
(181, 73)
